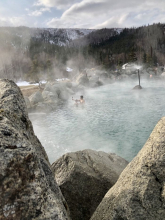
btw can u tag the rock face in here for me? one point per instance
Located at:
(84, 177)
(137, 87)
(36, 97)
(27, 187)
(140, 191)
(95, 82)
(83, 80)
(53, 95)
(27, 101)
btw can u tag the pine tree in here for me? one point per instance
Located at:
(34, 72)
(132, 55)
(144, 58)
(49, 72)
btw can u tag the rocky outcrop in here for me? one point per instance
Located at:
(83, 80)
(137, 87)
(53, 95)
(140, 191)
(84, 177)
(27, 187)
(49, 96)
(35, 98)
(27, 101)
(95, 82)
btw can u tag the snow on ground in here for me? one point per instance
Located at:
(25, 83)
(68, 69)
(51, 42)
(124, 66)
(63, 79)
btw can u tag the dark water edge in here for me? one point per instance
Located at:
(115, 119)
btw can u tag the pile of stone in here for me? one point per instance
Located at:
(51, 97)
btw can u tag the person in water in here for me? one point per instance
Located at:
(81, 100)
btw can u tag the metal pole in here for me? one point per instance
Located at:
(139, 77)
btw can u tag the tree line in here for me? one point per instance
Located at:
(37, 58)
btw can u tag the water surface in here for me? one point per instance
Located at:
(115, 118)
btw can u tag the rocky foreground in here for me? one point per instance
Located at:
(84, 177)
(139, 193)
(31, 189)
(27, 187)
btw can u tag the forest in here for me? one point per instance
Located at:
(26, 57)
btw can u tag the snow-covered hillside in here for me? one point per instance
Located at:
(20, 36)
(61, 37)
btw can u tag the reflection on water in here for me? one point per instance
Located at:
(115, 118)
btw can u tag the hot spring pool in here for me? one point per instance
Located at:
(115, 118)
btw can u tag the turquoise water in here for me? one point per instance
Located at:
(115, 119)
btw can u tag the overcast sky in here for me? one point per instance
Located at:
(81, 13)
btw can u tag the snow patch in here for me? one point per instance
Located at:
(25, 83)
(69, 69)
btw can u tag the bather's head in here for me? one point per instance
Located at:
(81, 97)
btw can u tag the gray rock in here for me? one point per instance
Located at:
(70, 91)
(95, 82)
(28, 105)
(27, 187)
(64, 95)
(84, 177)
(36, 97)
(68, 85)
(50, 96)
(137, 87)
(83, 80)
(139, 193)
(58, 89)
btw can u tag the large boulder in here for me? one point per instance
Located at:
(60, 90)
(139, 194)
(36, 98)
(84, 177)
(82, 80)
(55, 88)
(27, 186)
(50, 96)
(27, 101)
(95, 81)
(137, 87)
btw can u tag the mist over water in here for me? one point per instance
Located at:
(115, 119)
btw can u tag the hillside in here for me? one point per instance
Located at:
(17, 36)
(45, 53)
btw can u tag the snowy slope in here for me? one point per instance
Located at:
(19, 37)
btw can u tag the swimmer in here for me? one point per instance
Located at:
(81, 100)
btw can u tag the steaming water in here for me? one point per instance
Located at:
(115, 118)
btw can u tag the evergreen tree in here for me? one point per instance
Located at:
(49, 72)
(132, 55)
(35, 69)
(144, 58)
